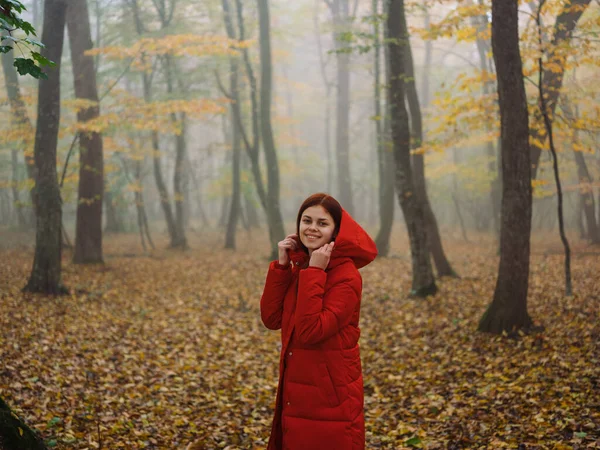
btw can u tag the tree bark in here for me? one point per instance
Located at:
(340, 13)
(88, 229)
(554, 72)
(252, 148)
(385, 153)
(114, 220)
(418, 164)
(276, 232)
(423, 283)
(163, 192)
(175, 241)
(46, 271)
(16, 203)
(15, 434)
(180, 150)
(587, 199)
(508, 310)
(235, 205)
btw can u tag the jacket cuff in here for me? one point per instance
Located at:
(275, 265)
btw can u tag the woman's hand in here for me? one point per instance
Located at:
(320, 257)
(289, 243)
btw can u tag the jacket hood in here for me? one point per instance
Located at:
(352, 242)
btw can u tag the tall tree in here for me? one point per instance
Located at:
(340, 11)
(508, 309)
(46, 271)
(235, 108)
(19, 119)
(385, 154)
(554, 72)
(88, 230)
(423, 283)
(418, 163)
(585, 179)
(180, 151)
(276, 232)
(165, 12)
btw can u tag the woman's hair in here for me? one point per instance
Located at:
(331, 205)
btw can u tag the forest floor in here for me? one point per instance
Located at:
(165, 349)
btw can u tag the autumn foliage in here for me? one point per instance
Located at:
(166, 350)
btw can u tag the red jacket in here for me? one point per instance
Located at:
(319, 401)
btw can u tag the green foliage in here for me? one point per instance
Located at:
(10, 21)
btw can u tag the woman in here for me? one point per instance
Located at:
(313, 294)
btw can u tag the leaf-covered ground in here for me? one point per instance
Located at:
(167, 351)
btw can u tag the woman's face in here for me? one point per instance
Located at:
(316, 227)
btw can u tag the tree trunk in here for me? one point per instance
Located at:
(180, 150)
(587, 191)
(252, 148)
(423, 283)
(160, 183)
(276, 232)
(554, 73)
(88, 230)
(15, 434)
(587, 199)
(19, 119)
(385, 153)
(428, 58)
(18, 207)
(508, 310)
(249, 201)
(141, 208)
(163, 193)
(179, 193)
(5, 208)
(46, 271)
(114, 221)
(418, 164)
(340, 13)
(235, 205)
(455, 196)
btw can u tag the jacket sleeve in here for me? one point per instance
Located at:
(271, 302)
(320, 314)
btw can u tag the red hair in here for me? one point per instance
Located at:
(331, 205)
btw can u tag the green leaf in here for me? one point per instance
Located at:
(27, 28)
(51, 443)
(27, 66)
(16, 5)
(33, 42)
(10, 38)
(54, 421)
(580, 434)
(42, 60)
(413, 442)
(5, 48)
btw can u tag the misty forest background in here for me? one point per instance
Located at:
(147, 176)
